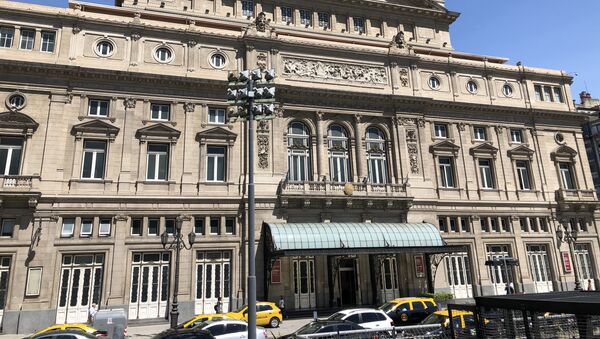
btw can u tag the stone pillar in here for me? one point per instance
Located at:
(321, 148)
(360, 153)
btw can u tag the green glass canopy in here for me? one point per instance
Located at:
(343, 238)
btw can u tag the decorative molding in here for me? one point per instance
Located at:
(304, 68)
(398, 41)
(18, 121)
(136, 36)
(261, 60)
(411, 135)
(76, 29)
(461, 126)
(129, 103)
(189, 107)
(404, 81)
(192, 43)
(320, 115)
(499, 129)
(263, 126)
(413, 156)
(158, 132)
(263, 151)
(358, 118)
(95, 127)
(121, 217)
(216, 133)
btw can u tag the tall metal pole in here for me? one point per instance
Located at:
(571, 243)
(251, 263)
(175, 306)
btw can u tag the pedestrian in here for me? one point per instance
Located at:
(590, 287)
(282, 307)
(92, 313)
(219, 306)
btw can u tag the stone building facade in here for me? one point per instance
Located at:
(114, 131)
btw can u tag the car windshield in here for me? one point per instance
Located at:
(336, 316)
(309, 328)
(387, 307)
(435, 319)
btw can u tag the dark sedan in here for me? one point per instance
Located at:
(324, 327)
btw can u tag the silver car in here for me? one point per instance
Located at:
(231, 329)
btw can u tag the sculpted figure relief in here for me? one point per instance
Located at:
(335, 71)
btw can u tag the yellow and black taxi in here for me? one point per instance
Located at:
(71, 327)
(267, 314)
(464, 323)
(199, 319)
(407, 311)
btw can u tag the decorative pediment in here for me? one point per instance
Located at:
(563, 152)
(485, 149)
(216, 134)
(445, 147)
(95, 127)
(18, 121)
(158, 132)
(521, 152)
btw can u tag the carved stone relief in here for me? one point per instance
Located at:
(413, 157)
(263, 151)
(404, 77)
(261, 60)
(303, 68)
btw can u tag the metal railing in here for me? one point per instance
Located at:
(404, 332)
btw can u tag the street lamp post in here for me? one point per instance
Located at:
(244, 90)
(569, 235)
(176, 243)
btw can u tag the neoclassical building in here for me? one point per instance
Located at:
(395, 164)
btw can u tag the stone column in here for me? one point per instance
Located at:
(360, 154)
(321, 148)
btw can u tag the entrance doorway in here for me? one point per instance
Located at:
(4, 274)
(501, 275)
(80, 287)
(348, 285)
(584, 265)
(388, 279)
(304, 283)
(213, 280)
(540, 268)
(149, 285)
(459, 275)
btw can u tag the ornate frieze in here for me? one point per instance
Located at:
(263, 151)
(303, 68)
(413, 157)
(404, 77)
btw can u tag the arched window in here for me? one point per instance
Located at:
(339, 163)
(298, 152)
(376, 156)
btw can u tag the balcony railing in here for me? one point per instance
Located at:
(575, 195)
(328, 188)
(17, 182)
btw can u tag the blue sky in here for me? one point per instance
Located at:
(540, 33)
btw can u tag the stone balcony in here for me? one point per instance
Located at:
(327, 194)
(16, 189)
(576, 200)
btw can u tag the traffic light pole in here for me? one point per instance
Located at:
(251, 211)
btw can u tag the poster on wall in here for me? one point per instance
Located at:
(419, 266)
(566, 259)
(276, 272)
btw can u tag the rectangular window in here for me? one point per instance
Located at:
(68, 227)
(548, 94)
(485, 171)
(27, 39)
(485, 225)
(94, 158)
(441, 130)
(479, 133)
(453, 225)
(464, 225)
(215, 225)
(153, 226)
(247, 8)
(443, 225)
(557, 94)
(516, 136)
(216, 115)
(170, 226)
(523, 222)
(104, 229)
(199, 225)
(48, 41)
(161, 112)
(505, 224)
(566, 175)
(98, 108)
(7, 34)
(538, 93)
(286, 14)
(324, 20)
(533, 226)
(447, 172)
(305, 17)
(523, 175)
(359, 25)
(10, 155)
(215, 164)
(158, 162)
(543, 224)
(87, 226)
(137, 227)
(494, 225)
(8, 227)
(229, 225)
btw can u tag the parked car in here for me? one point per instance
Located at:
(463, 322)
(267, 314)
(200, 318)
(184, 333)
(407, 311)
(63, 334)
(365, 317)
(72, 327)
(230, 329)
(324, 327)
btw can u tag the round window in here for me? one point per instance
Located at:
(16, 101)
(163, 54)
(472, 86)
(105, 48)
(217, 60)
(507, 90)
(559, 138)
(434, 83)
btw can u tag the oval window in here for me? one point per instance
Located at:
(507, 90)
(472, 86)
(163, 54)
(217, 60)
(16, 101)
(434, 83)
(105, 48)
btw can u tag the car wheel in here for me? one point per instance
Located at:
(274, 322)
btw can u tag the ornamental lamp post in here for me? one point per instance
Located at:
(177, 243)
(569, 236)
(251, 96)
